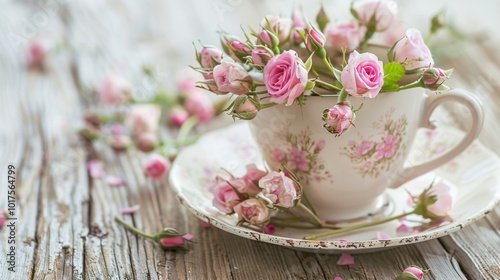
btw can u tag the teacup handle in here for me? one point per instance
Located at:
(433, 101)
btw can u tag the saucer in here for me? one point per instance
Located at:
(473, 176)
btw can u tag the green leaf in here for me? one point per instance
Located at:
(393, 71)
(322, 19)
(337, 73)
(391, 87)
(308, 63)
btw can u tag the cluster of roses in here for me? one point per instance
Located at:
(138, 123)
(272, 57)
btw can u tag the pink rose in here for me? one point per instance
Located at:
(285, 77)
(198, 104)
(279, 189)
(261, 55)
(282, 25)
(339, 118)
(232, 77)
(186, 81)
(385, 12)
(210, 56)
(244, 186)
(143, 118)
(114, 90)
(36, 52)
(444, 201)
(252, 211)
(156, 167)
(433, 78)
(246, 107)
(171, 239)
(253, 173)
(225, 198)
(412, 51)
(345, 35)
(178, 116)
(363, 75)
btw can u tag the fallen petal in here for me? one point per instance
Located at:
(95, 168)
(337, 278)
(188, 236)
(204, 224)
(382, 236)
(130, 210)
(342, 240)
(115, 181)
(269, 229)
(403, 229)
(346, 259)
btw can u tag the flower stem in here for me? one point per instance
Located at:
(310, 205)
(342, 95)
(316, 220)
(415, 84)
(355, 227)
(186, 128)
(326, 85)
(133, 229)
(328, 64)
(283, 224)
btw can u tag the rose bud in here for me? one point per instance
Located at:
(363, 76)
(239, 50)
(89, 133)
(269, 39)
(198, 104)
(146, 142)
(252, 211)
(269, 228)
(280, 26)
(433, 78)
(171, 239)
(279, 189)
(244, 187)
(261, 55)
(339, 118)
(114, 90)
(253, 173)
(298, 26)
(244, 108)
(412, 273)
(411, 51)
(36, 52)
(186, 82)
(232, 77)
(435, 202)
(315, 39)
(225, 197)
(376, 14)
(156, 167)
(93, 119)
(178, 116)
(143, 118)
(210, 56)
(120, 143)
(346, 35)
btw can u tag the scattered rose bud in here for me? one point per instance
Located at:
(269, 228)
(120, 143)
(279, 189)
(143, 118)
(210, 56)
(115, 181)
(344, 36)
(346, 259)
(363, 76)
(146, 142)
(412, 273)
(232, 77)
(261, 55)
(339, 118)
(96, 169)
(114, 90)
(411, 51)
(198, 104)
(178, 116)
(156, 167)
(225, 198)
(36, 52)
(376, 14)
(130, 210)
(252, 211)
(434, 78)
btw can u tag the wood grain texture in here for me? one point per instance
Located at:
(66, 227)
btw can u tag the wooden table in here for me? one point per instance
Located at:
(65, 226)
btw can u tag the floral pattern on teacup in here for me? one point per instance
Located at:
(371, 156)
(300, 154)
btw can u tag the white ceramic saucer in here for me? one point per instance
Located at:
(474, 178)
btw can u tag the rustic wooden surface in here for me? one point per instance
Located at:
(65, 218)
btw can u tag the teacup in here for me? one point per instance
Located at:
(345, 177)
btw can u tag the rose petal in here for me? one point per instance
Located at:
(382, 236)
(204, 224)
(346, 259)
(188, 236)
(342, 240)
(337, 278)
(115, 181)
(403, 229)
(95, 168)
(130, 210)
(269, 229)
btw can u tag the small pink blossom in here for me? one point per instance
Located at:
(346, 259)
(412, 52)
(198, 104)
(130, 210)
(339, 118)
(156, 167)
(388, 147)
(283, 26)
(320, 145)
(143, 118)
(285, 77)
(225, 198)
(363, 75)
(253, 173)
(346, 35)
(252, 211)
(115, 181)
(297, 159)
(178, 116)
(210, 56)
(232, 77)
(96, 168)
(278, 155)
(36, 52)
(114, 90)
(269, 228)
(384, 12)
(363, 148)
(279, 189)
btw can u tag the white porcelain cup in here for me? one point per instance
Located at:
(345, 177)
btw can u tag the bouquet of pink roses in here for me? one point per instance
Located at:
(289, 59)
